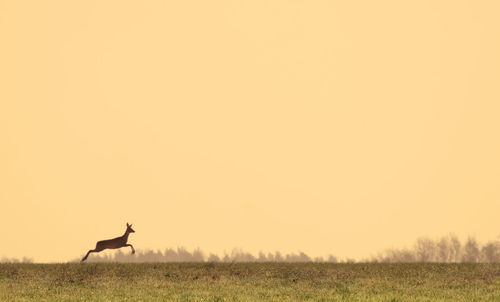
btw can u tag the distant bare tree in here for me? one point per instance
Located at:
(213, 258)
(262, 257)
(278, 257)
(15, 260)
(171, 255)
(490, 252)
(237, 255)
(402, 256)
(184, 255)
(471, 251)
(198, 255)
(443, 250)
(425, 250)
(303, 257)
(270, 257)
(332, 259)
(455, 248)
(226, 258)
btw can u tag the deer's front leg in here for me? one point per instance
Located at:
(133, 250)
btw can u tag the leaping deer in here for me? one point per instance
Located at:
(114, 243)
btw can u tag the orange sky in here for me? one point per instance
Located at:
(342, 127)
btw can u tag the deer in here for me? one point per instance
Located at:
(114, 243)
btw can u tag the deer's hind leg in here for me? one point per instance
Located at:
(96, 250)
(88, 253)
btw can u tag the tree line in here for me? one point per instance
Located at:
(447, 249)
(183, 255)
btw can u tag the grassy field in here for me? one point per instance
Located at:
(249, 282)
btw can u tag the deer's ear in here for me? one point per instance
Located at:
(127, 224)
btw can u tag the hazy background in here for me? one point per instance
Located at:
(329, 127)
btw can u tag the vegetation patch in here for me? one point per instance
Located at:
(249, 282)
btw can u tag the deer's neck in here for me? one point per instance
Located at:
(125, 236)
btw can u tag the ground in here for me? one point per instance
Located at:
(249, 282)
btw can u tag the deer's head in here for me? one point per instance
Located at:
(129, 228)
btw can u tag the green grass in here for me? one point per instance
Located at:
(249, 282)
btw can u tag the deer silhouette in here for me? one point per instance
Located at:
(114, 243)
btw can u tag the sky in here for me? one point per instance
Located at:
(328, 127)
